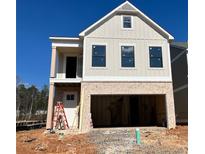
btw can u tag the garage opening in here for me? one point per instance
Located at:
(128, 110)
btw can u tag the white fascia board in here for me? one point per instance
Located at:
(65, 38)
(66, 41)
(170, 37)
(128, 79)
(67, 44)
(57, 80)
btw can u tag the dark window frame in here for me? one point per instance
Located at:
(70, 97)
(155, 57)
(124, 57)
(124, 22)
(98, 56)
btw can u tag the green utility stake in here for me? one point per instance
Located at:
(61, 136)
(137, 133)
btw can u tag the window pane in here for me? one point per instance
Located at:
(155, 56)
(98, 61)
(98, 50)
(72, 97)
(127, 62)
(127, 22)
(127, 18)
(127, 56)
(127, 51)
(155, 51)
(156, 62)
(98, 55)
(127, 25)
(68, 97)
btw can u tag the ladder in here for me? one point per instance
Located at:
(59, 119)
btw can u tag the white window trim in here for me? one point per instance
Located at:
(120, 56)
(148, 54)
(97, 67)
(132, 25)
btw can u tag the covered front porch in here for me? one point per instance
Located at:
(69, 95)
(66, 61)
(65, 78)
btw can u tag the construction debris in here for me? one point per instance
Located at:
(40, 147)
(28, 139)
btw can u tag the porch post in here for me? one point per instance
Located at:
(50, 106)
(170, 109)
(53, 62)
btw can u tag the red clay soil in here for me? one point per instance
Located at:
(34, 141)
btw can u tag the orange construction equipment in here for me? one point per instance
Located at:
(59, 119)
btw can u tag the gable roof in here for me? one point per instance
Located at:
(128, 7)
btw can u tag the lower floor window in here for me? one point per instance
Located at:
(70, 97)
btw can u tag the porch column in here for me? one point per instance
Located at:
(85, 108)
(170, 109)
(50, 106)
(53, 62)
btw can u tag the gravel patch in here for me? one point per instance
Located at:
(122, 140)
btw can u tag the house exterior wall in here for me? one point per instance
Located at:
(71, 112)
(179, 67)
(180, 83)
(181, 105)
(113, 58)
(113, 79)
(141, 36)
(93, 88)
(60, 63)
(112, 28)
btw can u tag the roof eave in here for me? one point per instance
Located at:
(169, 36)
(65, 38)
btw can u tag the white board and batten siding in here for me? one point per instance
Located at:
(141, 36)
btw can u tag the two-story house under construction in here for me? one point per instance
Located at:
(117, 73)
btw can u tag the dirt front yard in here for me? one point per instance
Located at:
(112, 140)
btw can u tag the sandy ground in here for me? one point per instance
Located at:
(118, 140)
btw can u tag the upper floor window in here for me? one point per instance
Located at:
(127, 22)
(127, 54)
(155, 54)
(98, 56)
